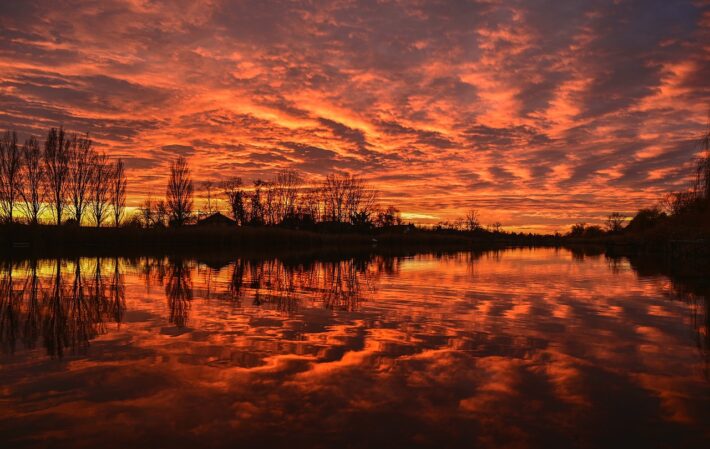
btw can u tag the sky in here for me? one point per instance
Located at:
(537, 113)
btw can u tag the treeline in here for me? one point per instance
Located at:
(286, 200)
(64, 176)
(681, 214)
(289, 200)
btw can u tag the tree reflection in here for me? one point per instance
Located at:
(63, 305)
(689, 283)
(54, 319)
(335, 285)
(64, 309)
(9, 309)
(117, 300)
(31, 327)
(178, 290)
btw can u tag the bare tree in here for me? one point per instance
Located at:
(615, 222)
(361, 200)
(147, 212)
(458, 224)
(678, 203)
(100, 186)
(179, 192)
(257, 210)
(334, 191)
(472, 221)
(345, 197)
(288, 183)
(702, 182)
(208, 186)
(161, 213)
(270, 205)
(389, 217)
(311, 204)
(117, 193)
(236, 198)
(33, 174)
(56, 165)
(81, 173)
(10, 174)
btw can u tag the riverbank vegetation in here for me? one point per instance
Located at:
(681, 217)
(63, 194)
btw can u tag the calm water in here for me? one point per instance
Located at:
(520, 348)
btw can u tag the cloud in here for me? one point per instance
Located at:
(554, 98)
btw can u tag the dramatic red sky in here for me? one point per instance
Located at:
(538, 113)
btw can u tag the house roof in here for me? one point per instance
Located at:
(216, 219)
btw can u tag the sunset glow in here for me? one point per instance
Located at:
(538, 114)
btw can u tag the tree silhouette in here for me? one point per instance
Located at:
(66, 174)
(702, 183)
(236, 198)
(578, 230)
(345, 197)
(117, 193)
(472, 222)
(33, 173)
(389, 217)
(288, 183)
(56, 163)
(81, 174)
(256, 206)
(208, 186)
(311, 204)
(10, 171)
(179, 192)
(100, 186)
(615, 222)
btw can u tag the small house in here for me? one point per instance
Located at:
(216, 219)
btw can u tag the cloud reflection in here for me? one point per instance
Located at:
(519, 348)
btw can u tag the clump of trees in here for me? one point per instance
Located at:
(583, 230)
(687, 209)
(615, 222)
(690, 208)
(471, 222)
(65, 177)
(179, 192)
(285, 200)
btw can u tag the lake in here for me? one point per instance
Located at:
(516, 348)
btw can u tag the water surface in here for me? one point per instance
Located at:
(519, 348)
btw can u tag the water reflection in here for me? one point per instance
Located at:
(689, 282)
(522, 348)
(66, 304)
(63, 304)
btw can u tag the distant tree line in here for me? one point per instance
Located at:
(686, 211)
(64, 176)
(286, 200)
(65, 180)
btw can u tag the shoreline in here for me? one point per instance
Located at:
(26, 241)
(70, 240)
